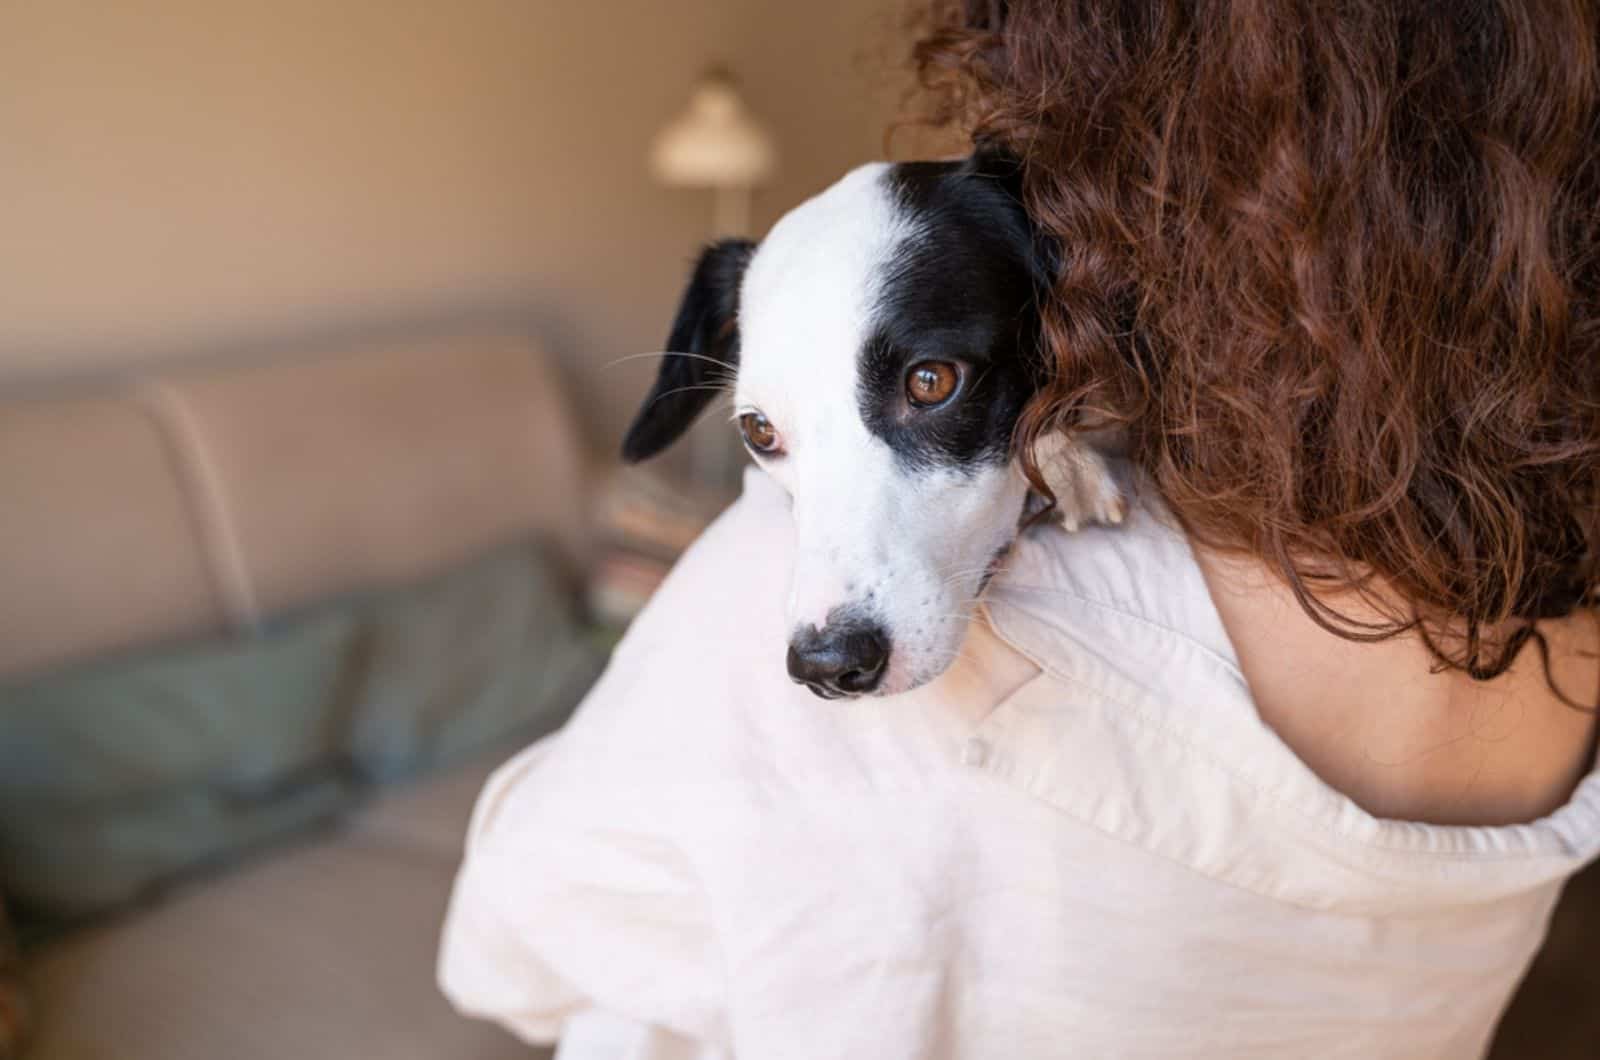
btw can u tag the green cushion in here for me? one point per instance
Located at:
(117, 778)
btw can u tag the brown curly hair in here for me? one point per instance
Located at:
(1333, 268)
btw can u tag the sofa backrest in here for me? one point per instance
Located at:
(185, 504)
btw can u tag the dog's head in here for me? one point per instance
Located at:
(884, 339)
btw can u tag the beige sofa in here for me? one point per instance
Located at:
(199, 503)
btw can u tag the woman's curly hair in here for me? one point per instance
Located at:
(1334, 268)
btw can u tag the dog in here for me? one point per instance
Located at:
(883, 340)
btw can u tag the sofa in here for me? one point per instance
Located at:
(265, 627)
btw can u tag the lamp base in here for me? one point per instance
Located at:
(730, 211)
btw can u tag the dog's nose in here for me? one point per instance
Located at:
(839, 660)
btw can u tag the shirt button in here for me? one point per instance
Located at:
(974, 752)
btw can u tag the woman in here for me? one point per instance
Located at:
(1293, 764)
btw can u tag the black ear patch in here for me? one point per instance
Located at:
(703, 351)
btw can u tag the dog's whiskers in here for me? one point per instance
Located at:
(985, 571)
(692, 386)
(668, 353)
(980, 571)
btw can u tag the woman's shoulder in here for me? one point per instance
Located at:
(1403, 739)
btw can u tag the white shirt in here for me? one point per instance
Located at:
(1080, 842)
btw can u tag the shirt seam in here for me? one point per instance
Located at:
(1228, 665)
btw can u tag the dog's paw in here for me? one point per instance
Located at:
(1086, 490)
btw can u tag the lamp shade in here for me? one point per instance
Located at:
(715, 143)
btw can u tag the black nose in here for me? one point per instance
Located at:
(839, 660)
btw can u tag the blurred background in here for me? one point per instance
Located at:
(319, 327)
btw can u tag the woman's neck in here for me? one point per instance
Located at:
(1378, 723)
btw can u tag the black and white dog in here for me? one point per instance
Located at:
(884, 338)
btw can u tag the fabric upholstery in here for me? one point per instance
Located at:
(97, 548)
(358, 470)
(121, 777)
(323, 951)
(174, 506)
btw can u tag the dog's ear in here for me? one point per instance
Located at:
(703, 351)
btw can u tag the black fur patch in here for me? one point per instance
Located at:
(964, 288)
(705, 340)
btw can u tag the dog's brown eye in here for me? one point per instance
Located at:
(932, 382)
(759, 434)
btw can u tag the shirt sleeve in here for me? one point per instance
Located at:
(577, 889)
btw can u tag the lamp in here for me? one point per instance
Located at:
(716, 144)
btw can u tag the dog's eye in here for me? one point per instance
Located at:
(759, 434)
(931, 383)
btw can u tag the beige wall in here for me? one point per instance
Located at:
(185, 178)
